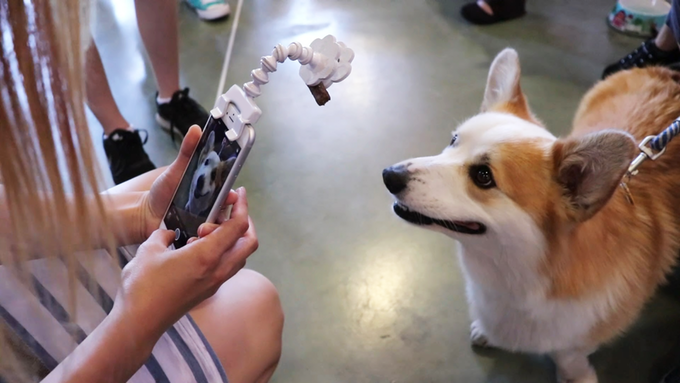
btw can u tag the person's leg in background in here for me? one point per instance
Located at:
(660, 51)
(157, 21)
(484, 12)
(122, 144)
(210, 9)
(159, 28)
(243, 322)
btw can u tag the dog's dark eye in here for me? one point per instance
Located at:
(213, 174)
(453, 139)
(482, 177)
(207, 162)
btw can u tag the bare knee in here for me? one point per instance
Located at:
(265, 304)
(269, 317)
(263, 299)
(243, 322)
(266, 321)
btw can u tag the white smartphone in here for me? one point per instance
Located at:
(210, 175)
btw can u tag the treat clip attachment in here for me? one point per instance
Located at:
(324, 62)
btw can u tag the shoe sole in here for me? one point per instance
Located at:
(214, 13)
(166, 126)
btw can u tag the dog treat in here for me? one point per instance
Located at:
(320, 94)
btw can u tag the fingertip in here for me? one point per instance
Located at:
(194, 133)
(244, 195)
(194, 129)
(206, 229)
(163, 235)
(191, 140)
(232, 197)
(162, 232)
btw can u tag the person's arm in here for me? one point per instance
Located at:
(119, 346)
(135, 208)
(127, 212)
(113, 352)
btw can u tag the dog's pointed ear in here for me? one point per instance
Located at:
(590, 168)
(503, 91)
(209, 144)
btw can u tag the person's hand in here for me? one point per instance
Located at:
(160, 285)
(158, 198)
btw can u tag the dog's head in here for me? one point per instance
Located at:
(203, 183)
(504, 176)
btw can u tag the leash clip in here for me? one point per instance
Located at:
(647, 152)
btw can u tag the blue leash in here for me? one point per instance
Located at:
(659, 142)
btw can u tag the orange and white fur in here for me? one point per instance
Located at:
(556, 259)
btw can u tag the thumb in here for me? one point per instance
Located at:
(189, 143)
(187, 149)
(162, 237)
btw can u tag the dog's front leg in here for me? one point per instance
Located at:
(573, 367)
(478, 336)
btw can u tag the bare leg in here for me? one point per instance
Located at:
(665, 39)
(243, 322)
(158, 25)
(573, 367)
(99, 97)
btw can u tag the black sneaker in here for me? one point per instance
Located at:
(645, 55)
(125, 151)
(178, 115)
(503, 10)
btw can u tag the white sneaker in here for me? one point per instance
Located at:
(210, 9)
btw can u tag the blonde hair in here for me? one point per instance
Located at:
(46, 154)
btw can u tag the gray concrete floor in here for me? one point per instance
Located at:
(368, 298)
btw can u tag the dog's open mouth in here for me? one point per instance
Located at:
(419, 219)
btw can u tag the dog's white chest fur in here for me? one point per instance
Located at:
(512, 310)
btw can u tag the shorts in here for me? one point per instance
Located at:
(38, 317)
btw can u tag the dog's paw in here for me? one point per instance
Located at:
(591, 377)
(477, 336)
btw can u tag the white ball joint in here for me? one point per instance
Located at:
(324, 62)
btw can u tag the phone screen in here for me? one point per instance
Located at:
(203, 180)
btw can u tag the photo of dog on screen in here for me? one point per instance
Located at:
(212, 168)
(201, 185)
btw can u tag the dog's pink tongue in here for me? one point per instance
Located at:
(469, 225)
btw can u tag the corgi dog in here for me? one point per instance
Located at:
(209, 176)
(557, 260)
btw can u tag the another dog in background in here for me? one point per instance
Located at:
(556, 259)
(210, 174)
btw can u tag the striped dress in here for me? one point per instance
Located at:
(38, 315)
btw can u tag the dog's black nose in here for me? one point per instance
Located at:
(395, 178)
(199, 186)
